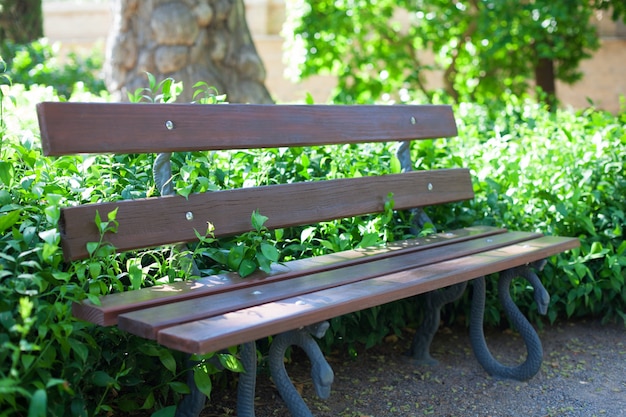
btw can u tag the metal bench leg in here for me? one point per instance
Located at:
(193, 403)
(321, 372)
(432, 302)
(531, 365)
(247, 381)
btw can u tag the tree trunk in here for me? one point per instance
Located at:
(544, 79)
(189, 41)
(21, 21)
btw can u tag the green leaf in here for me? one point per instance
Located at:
(27, 360)
(78, 407)
(270, 252)
(5, 198)
(258, 220)
(307, 234)
(218, 255)
(371, 340)
(230, 362)
(38, 404)
(151, 81)
(6, 173)
(98, 220)
(50, 236)
(395, 165)
(203, 381)
(263, 263)
(8, 220)
(369, 239)
(53, 382)
(102, 379)
(596, 248)
(185, 191)
(149, 402)
(94, 299)
(246, 267)
(165, 412)
(179, 387)
(112, 215)
(92, 247)
(168, 361)
(235, 257)
(166, 87)
(80, 350)
(135, 273)
(308, 99)
(95, 268)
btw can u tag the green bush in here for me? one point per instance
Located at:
(560, 173)
(38, 63)
(49, 361)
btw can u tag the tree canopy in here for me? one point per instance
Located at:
(486, 48)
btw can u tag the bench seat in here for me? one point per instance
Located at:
(319, 288)
(267, 309)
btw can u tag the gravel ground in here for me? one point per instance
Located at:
(583, 375)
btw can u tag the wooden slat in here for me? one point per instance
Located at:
(112, 305)
(71, 128)
(147, 322)
(253, 323)
(164, 220)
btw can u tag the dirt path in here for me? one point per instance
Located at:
(583, 375)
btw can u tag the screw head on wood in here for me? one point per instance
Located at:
(189, 216)
(169, 125)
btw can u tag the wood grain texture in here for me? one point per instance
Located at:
(147, 322)
(111, 306)
(257, 322)
(164, 220)
(71, 128)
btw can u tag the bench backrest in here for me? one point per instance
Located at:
(72, 128)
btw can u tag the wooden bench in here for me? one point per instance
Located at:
(215, 312)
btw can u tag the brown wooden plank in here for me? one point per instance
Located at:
(113, 305)
(253, 323)
(165, 220)
(147, 322)
(70, 128)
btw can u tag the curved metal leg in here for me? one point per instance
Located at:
(193, 403)
(321, 372)
(433, 302)
(247, 381)
(532, 364)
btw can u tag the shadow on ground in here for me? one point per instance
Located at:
(583, 375)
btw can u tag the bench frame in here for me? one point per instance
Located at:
(295, 299)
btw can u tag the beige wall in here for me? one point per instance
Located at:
(604, 79)
(85, 24)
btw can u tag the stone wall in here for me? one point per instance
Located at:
(82, 25)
